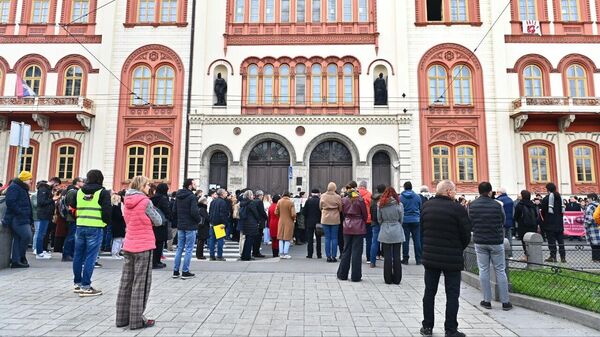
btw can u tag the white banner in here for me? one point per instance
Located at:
(19, 134)
(532, 27)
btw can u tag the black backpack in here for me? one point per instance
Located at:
(528, 217)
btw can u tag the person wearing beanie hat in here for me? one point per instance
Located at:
(19, 217)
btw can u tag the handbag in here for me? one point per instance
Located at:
(319, 229)
(163, 218)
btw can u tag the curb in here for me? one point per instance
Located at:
(584, 317)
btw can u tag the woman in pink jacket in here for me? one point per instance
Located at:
(139, 243)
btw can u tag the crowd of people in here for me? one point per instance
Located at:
(140, 223)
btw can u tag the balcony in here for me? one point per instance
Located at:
(46, 109)
(563, 110)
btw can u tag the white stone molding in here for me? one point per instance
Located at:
(42, 121)
(85, 120)
(565, 122)
(301, 120)
(520, 122)
(3, 123)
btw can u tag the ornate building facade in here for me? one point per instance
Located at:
(129, 91)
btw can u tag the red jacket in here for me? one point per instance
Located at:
(273, 221)
(366, 195)
(139, 236)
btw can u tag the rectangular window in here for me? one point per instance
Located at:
(434, 10)
(458, 10)
(80, 11)
(316, 10)
(570, 10)
(66, 162)
(4, 10)
(332, 89)
(363, 11)
(168, 11)
(136, 161)
(332, 10)
(270, 11)
(441, 162)
(584, 164)
(538, 164)
(146, 11)
(301, 90)
(252, 90)
(160, 163)
(347, 89)
(26, 160)
(300, 11)
(254, 10)
(316, 89)
(239, 10)
(347, 10)
(285, 10)
(527, 10)
(40, 11)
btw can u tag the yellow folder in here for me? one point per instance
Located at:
(219, 231)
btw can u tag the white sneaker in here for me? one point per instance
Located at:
(43, 256)
(117, 257)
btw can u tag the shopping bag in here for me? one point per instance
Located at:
(266, 235)
(219, 231)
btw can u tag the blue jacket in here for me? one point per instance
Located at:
(18, 204)
(509, 209)
(412, 206)
(218, 212)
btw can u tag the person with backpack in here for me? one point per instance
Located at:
(68, 197)
(526, 215)
(46, 202)
(592, 226)
(160, 200)
(18, 217)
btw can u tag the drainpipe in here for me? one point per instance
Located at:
(189, 93)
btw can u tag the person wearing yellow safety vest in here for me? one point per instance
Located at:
(93, 213)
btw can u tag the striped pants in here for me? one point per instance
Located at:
(134, 289)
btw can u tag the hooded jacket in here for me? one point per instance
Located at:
(249, 217)
(103, 201)
(509, 209)
(203, 225)
(487, 220)
(45, 202)
(331, 206)
(185, 210)
(139, 216)
(525, 225)
(366, 196)
(390, 217)
(412, 206)
(18, 204)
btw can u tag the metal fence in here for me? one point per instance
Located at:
(578, 256)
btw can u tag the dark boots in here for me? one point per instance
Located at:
(275, 252)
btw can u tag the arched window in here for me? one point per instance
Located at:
(458, 10)
(268, 84)
(136, 161)
(532, 81)
(39, 11)
(300, 84)
(440, 156)
(253, 84)
(539, 164)
(4, 11)
(168, 11)
(466, 159)
(254, 10)
(65, 162)
(316, 81)
(462, 85)
(584, 164)
(73, 81)
(33, 78)
(141, 85)
(577, 80)
(284, 84)
(239, 10)
(332, 79)
(569, 10)
(269, 11)
(437, 84)
(80, 10)
(146, 10)
(527, 10)
(160, 162)
(165, 79)
(348, 84)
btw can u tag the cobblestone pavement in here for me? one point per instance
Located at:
(297, 297)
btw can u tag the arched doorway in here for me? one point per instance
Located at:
(218, 170)
(330, 161)
(382, 169)
(268, 164)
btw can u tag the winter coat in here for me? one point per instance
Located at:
(573, 207)
(487, 221)
(18, 204)
(596, 215)
(312, 212)
(61, 225)
(355, 216)
(287, 215)
(45, 203)
(509, 208)
(552, 222)
(526, 223)
(203, 224)
(446, 233)
(33, 198)
(331, 206)
(592, 227)
(262, 215)
(273, 221)
(366, 196)
(118, 221)
(161, 202)
(390, 217)
(185, 210)
(218, 212)
(412, 206)
(70, 194)
(139, 215)
(249, 218)
(103, 201)
(374, 206)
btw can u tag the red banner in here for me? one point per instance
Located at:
(573, 223)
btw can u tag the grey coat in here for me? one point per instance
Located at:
(390, 217)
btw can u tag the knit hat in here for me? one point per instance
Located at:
(25, 175)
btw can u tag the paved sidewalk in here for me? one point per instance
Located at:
(297, 297)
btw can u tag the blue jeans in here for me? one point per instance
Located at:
(36, 226)
(185, 239)
(107, 238)
(69, 245)
(212, 240)
(414, 229)
(21, 238)
(375, 243)
(368, 242)
(87, 247)
(39, 236)
(495, 255)
(331, 239)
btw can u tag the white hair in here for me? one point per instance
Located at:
(248, 194)
(444, 186)
(502, 190)
(424, 188)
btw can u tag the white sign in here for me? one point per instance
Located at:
(531, 27)
(20, 134)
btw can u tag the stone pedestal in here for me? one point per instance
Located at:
(535, 256)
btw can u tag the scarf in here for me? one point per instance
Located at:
(551, 203)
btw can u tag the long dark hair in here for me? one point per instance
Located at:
(388, 194)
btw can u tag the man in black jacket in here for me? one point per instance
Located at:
(446, 231)
(68, 197)
(259, 205)
(46, 205)
(219, 216)
(312, 216)
(185, 213)
(488, 218)
(552, 223)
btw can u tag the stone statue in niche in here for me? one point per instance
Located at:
(381, 94)
(220, 90)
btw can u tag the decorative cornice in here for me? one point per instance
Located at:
(301, 120)
(85, 120)
(95, 39)
(552, 39)
(293, 39)
(42, 121)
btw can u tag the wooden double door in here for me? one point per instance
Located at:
(330, 161)
(268, 165)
